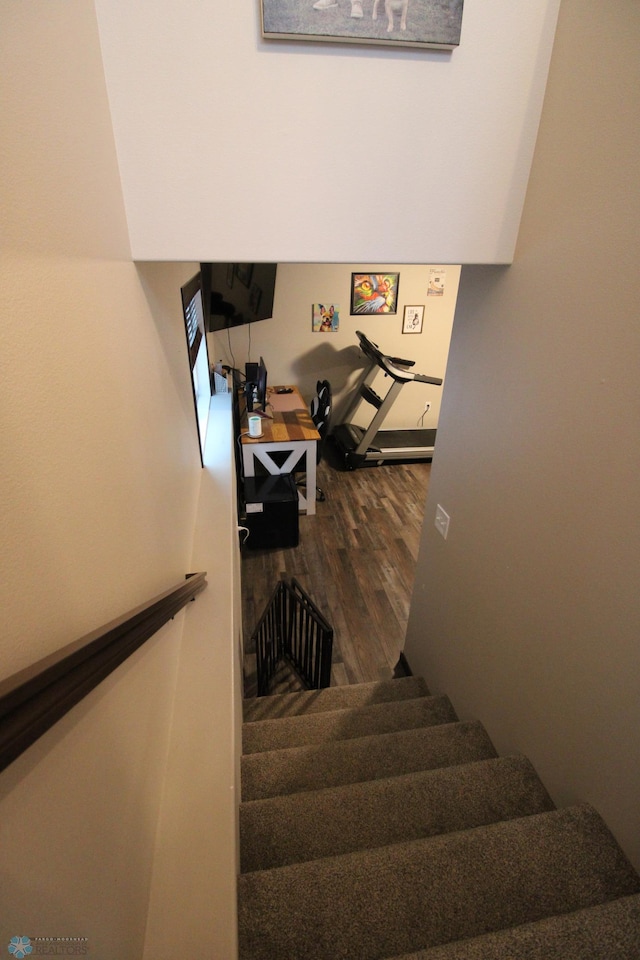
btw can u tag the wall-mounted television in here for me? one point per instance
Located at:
(194, 326)
(237, 293)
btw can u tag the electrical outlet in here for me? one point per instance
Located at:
(442, 521)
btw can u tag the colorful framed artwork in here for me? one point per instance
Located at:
(412, 320)
(392, 23)
(325, 318)
(374, 293)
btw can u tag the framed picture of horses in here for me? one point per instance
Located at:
(395, 23)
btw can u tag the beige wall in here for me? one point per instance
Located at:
(533, 594)
(529, 613)
(100, 487)
(293, 353)
(193, 886)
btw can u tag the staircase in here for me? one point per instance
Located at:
(374, 824)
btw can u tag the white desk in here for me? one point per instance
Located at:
(291, 434)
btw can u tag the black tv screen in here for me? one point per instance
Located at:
(237, 293)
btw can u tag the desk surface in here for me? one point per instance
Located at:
(289, 420)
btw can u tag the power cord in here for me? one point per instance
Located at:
(230, 347)
(427, 407)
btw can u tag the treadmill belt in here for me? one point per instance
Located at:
(393, 439)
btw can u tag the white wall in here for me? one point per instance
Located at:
(235, 148)
(295, 354)
(528, 615)
(100, 486)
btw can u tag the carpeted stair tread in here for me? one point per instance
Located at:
(345, 724)
(609, 931)
(396, 899)
(333, 698)
(294, 769)
(322, 823)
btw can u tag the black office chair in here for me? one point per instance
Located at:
(320, 411)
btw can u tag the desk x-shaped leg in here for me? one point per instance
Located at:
(262, 453)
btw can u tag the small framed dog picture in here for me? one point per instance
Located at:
(399, 23)
(412, 319)
(325, 318)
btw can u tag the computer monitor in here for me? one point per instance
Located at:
(262, 385)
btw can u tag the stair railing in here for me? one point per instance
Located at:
(33, 699)
(292, 628)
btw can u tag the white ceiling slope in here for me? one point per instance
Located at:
(235, 148)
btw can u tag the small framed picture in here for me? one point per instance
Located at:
(437, 277)
(374, 293)
(325, 318)
(412, 320)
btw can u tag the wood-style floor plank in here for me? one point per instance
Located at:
(356, 560)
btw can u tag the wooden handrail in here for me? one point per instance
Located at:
(33, 699)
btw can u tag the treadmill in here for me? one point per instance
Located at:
(374, 446)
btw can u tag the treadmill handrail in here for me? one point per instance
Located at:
(387, 363)
(399, 362)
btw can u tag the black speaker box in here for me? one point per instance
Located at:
(271, 507)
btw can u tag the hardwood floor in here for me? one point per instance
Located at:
(356, 560)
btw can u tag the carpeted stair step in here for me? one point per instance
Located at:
(294, 769)
(323, 823)
(333, 698)
(609, 931)
(297, 731)
(406, 897)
